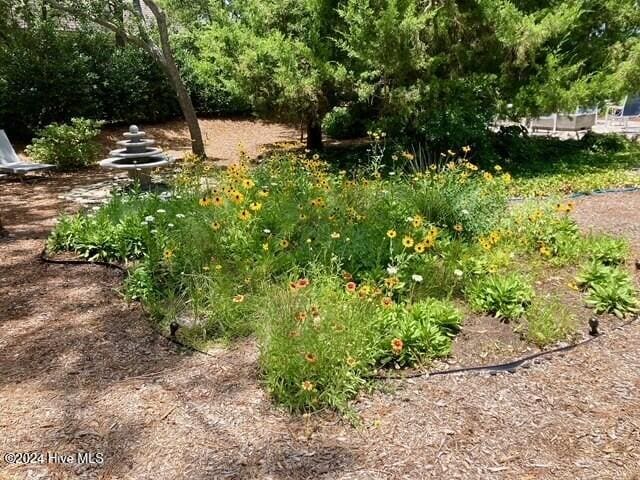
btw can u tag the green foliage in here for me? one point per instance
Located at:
(48, 75)
(610, 289)
(68, 146)
(547, 166)
(505, 296)
(425, 330)
(547, 321)
(608, 250)
(342, 122)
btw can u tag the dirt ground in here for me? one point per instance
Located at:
(223, 138)
(80, 370)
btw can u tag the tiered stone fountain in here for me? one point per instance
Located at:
(137, 157)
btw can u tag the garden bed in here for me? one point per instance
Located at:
(340, 276)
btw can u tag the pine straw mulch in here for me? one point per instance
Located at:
(80, 370)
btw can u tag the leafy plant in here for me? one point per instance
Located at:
(504, 296)
(68, 146)
(412, 334)
(608, 250)
(547, 321)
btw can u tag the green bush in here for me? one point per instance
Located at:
(48, 75)
(418, 332)
(608, 250)
(609, 289)
(342, 122)
(503, 296)
(67, 146)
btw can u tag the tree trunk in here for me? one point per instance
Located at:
(314, 134)
(168, 62)
(3, 232)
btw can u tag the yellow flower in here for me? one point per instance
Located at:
(205, 202)
(420, 247)
(497, 168)
(487, 176)
(335, 235)
(351, 362)
(458, 227)
(407, 155)
(407, 242)
(546, 251)
(218, 201)
(244, 215)
(417, 221)
(307, 386)
(428, 242)
(466, 149)
(506, 178)
(391, 282)
(218, 267)
(255, 206)
(168, 254)
(263, 193)
(310, 358)
(236, 197)
(238, 299)
(386, 302)
(248, 183)
(391, 233)
(265, 246)
(215, 226)
(284, 243)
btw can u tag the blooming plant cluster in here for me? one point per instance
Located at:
(338, 274)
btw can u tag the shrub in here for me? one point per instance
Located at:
(609, 289)
(418, 332)
(48, 75)
(608, 251)
(342, 122)
(504, 296)
(67, 146)
(547, 321)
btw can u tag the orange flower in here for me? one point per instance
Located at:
(458, 227)
(351, 287)
(311, 358)
(347, 276)
(397, 345)
(386, 302)
(315, 311)
(302, 283)
(301, 316)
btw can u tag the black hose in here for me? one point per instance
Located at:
(510, 367)
(45, 259)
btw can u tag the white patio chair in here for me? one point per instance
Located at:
(11, 163)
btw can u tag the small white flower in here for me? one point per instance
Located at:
(308, 240)
(465, 211)
(154, 231)
(391, 174)
(391, 270)
(458, 272)
(95, 209)
(149, 218)
(179, 215)
(416, 278)
(267, 231)
(170, 225)
(161, 210)
(143, 223)
(178, 196)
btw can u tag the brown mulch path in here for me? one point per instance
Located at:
(223, 138)
(80, 370)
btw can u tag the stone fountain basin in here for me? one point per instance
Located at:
(142, 163)
(122, 153)
(134, 143)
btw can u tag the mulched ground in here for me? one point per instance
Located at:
(80, 370)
